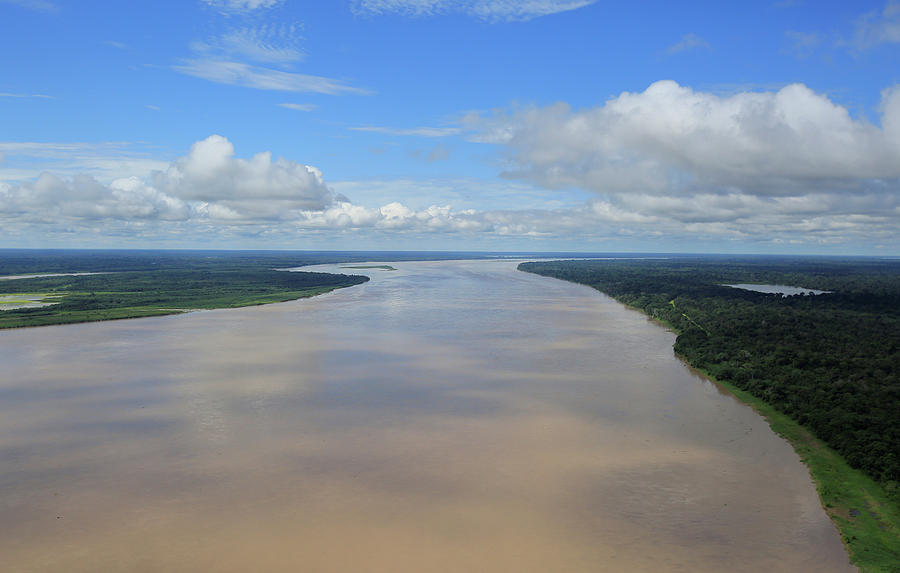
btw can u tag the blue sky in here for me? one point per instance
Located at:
(451, 124)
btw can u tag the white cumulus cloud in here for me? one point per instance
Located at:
(259, 187)
(787, 164)
(208, 183)
(52, 199)
(672, 139)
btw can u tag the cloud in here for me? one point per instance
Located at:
(213, 189)
(817, 218)
(299, 106)
(397, 217)
(265, 43)
(689, 41)
(51, 199)
(671, 139)
(462, 193)
(210, 194)
(874, 28)
(440, 152)
(788, 164)
(259, 57)
(36, 96)
(487, 10)
(241, 6)
(209, 183)
(415, 131)
(257, 77)
(258, 188)
(106, 160)
(803, 43)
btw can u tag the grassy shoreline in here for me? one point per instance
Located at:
(868, 521)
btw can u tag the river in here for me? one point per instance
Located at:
(445, 416)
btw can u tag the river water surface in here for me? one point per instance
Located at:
(446, 416)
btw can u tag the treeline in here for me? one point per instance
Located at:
(29, 261)
(830, 361)
(127, 294)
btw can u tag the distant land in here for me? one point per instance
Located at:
(61, 286)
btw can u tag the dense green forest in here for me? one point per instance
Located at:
(151, 283)
(27, 261)
(830, 362)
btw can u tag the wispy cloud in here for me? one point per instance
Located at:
(36, 96)
(259, 57)
(487, 10)
(874, 28)
(106, 160)
(241, 6)
(688, 42)
(299, 106)
(262, 78)
(439, 152)
(265, 43)
(803, 44)
(115, 44)
(415, 131)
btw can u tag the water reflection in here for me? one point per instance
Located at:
(445, 416)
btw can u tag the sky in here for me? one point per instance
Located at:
(493, 125)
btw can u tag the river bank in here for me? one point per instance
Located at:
(868, 521)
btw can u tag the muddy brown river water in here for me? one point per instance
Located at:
(446, 416)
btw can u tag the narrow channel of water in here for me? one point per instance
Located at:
(446, 416)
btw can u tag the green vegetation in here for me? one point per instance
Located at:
(869, 521)
(824, 370)
(198, 282)
(382, 267)
(137, 283)
(31, 261)
(14, 300)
